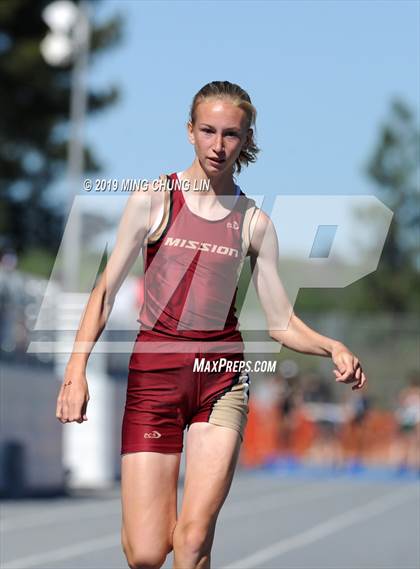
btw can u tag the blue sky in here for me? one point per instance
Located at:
(320, 73)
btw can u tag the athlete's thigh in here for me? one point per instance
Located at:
(149, 483)
(211, 456)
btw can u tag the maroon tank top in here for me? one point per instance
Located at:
(192, 271)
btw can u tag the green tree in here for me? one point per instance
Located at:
(35, 103)
(393, 167)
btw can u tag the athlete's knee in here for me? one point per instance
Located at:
(146, 559)
(143, 557)
(193, 537)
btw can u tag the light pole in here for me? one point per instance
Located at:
(67, 42)
(86, 447)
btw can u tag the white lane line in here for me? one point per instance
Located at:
(110, 540)
(236, 510)
(359, 514)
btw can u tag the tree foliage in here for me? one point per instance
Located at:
(35, 103)
(393, 168)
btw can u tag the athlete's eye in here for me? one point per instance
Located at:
(208, 130)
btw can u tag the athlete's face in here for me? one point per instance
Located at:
(219, 133)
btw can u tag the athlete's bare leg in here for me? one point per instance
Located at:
(211, 457)
(149, 483)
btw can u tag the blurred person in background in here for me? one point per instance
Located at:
(290, 397)
(354, 437)
(357, 408)
(11, 303)
(406, 447)
(163, 394)
(327, 416)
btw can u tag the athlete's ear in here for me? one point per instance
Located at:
(191, 136)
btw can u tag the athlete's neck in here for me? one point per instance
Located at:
(220, 184)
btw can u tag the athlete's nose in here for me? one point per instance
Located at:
(218, 146)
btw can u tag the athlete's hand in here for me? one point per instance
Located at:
(73, 397)
(348, 369)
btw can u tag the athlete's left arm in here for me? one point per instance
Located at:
(283, 324)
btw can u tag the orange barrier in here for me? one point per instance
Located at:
(269, 435)
(370, 439)
(304, 434)
(261, 435)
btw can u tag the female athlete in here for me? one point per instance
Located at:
(193, 245)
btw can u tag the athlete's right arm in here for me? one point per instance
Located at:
(138, 215)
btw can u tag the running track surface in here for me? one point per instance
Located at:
(269, 520)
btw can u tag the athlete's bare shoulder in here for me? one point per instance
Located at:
(146, 202)
(148, 191)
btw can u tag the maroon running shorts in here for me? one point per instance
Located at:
(166, 393)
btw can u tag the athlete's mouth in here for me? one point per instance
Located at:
(217, 160)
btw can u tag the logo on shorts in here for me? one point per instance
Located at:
(152, 435)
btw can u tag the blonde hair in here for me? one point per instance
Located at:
(239, 97)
